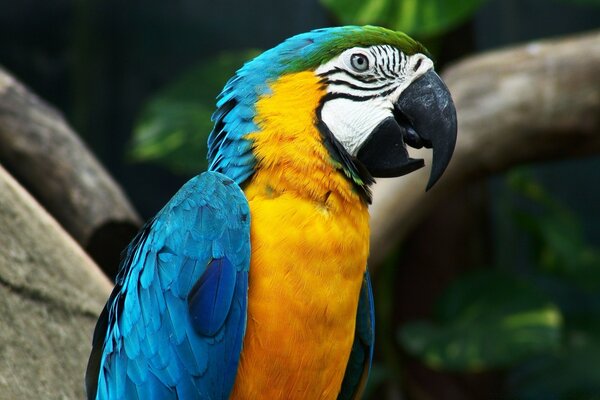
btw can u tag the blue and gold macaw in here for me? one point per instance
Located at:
(251, 282)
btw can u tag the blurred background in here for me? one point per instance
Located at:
(506, 306)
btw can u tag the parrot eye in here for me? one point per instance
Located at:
(359, 62)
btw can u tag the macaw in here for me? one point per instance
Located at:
(252, 282)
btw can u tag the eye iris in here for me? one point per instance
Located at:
(359, 62)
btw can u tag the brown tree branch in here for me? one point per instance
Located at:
(51, 293)
(539, 101)
(49, 159)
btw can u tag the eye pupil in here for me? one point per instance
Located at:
(359, 62)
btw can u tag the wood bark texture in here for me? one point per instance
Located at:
(535, 102)
(44, 154)
(51, 293)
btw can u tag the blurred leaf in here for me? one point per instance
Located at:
(175, 124)
(577, 306)
(570, 374)
(558, 241)
(485, 320)
(415, 17)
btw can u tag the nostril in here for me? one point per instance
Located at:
(418, 64)
(412, 138)
(409, 134)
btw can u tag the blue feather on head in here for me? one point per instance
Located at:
(229, 152)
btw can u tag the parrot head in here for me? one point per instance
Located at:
(378, 93)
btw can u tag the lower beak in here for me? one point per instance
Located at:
(424, 115)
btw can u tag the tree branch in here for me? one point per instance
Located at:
(51, 293)
(539, 101)
(49, 159)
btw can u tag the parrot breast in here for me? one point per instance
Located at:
(310, 239)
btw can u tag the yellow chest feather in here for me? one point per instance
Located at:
(310, 239)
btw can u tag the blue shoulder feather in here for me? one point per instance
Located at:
(174, 324)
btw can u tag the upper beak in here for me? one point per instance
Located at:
(429, 108)
(424, 115)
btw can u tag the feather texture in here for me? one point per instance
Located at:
(229, 149)
(174, 325)
(359, 363)
(179, 302)
(310, 240)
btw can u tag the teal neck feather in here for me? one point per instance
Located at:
(229, 152)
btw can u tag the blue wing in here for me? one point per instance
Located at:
(174, 324)
(359, 363)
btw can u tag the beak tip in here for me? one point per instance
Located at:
(430, 184)
(433, 178)
(442, 155)
(430, 104)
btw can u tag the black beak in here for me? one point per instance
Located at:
(424, 116)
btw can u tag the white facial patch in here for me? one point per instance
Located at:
(363, 84)
(349, 120)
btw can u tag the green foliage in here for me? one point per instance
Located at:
(485, 320)
(570, 374)
(567, 268)
(174, 125)
(542, 324)
(423, 18)
(558, 245)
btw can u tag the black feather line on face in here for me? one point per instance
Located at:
(357, 87)
(353, 169)
(336, 95)
(365, 78)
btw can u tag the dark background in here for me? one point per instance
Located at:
(100, 62)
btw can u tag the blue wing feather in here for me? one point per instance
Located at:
(180, 300)
(211, 297)
(359, 363)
